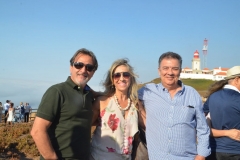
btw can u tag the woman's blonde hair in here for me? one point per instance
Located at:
(109, 86)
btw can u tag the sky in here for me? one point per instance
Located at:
(38, 38)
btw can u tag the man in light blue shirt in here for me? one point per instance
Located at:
(176, 127)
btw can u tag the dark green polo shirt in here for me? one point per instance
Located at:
(70, 111)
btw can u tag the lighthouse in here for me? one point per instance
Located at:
(196, 63)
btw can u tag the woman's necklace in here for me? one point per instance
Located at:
(122, 109)
(125, 149)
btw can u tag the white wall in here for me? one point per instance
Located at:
(196, 76)
(196, 64)
(218, 77)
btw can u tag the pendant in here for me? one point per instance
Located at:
(123, 113)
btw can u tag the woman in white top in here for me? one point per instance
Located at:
(117, 114)
(10, 114)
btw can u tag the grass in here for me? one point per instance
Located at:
(201, 85)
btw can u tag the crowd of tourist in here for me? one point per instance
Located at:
(10, 114)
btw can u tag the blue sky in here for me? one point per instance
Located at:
(38, 38)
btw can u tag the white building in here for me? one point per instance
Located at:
(195, 72)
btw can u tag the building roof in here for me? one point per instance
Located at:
(221, 74)
(222, 69)
(205, 69)
(186, 69)
(225, 69)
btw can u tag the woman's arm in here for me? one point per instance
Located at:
(231, 133)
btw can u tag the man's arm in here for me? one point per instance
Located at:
(96, 111)
(95, 93)
(142, 115)
(203, 132)
(41, 138)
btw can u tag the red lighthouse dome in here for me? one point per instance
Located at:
(196, 54)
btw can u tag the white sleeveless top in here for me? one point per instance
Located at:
(112, 139)
(10, 116)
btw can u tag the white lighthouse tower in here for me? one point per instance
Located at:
(196, 63)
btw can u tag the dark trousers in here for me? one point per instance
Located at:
(26, 117)
(223, 156)
(5, 118)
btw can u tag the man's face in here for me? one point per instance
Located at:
(81, 76)
(169, 71)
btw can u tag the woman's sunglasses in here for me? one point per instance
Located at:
(125, 75)
(79, 65)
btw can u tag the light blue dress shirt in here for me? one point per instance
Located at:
(174, 124)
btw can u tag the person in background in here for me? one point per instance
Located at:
(174, 115)
(1, 109)
(28, 110)
(223, 104)
(6, 107)
(116, 110)
(62, 127)
(21, 109)
(11, 113)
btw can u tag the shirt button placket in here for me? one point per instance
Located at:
(170, 128)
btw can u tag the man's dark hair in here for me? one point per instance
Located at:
(169, 55)
(86, 52)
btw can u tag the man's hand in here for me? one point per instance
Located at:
(198, 157)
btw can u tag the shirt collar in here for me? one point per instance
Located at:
(179, 83)
(228, 86)
(74, 86)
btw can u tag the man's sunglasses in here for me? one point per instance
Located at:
(79, 65)
(125, 75)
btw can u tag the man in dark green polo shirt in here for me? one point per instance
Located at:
(62, 127)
